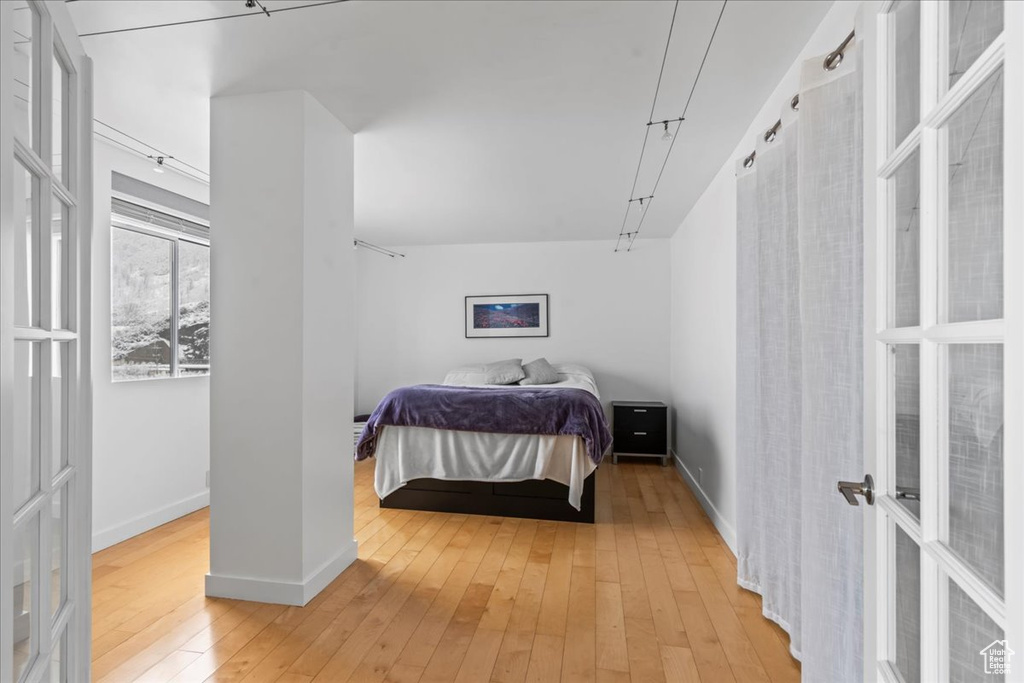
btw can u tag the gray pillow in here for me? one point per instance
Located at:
(504, 371)
(539, 372)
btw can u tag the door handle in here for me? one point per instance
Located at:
(852, 489)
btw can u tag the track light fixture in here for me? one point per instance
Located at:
(678, 119)
(640, 202)
(158, 163)
(253, 4)
(666, 136)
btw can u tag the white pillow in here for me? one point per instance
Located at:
(504, 371)
(467, 376)
(539, 371)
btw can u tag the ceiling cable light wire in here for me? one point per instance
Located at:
(155, 151)
(146, 155)
(650, 117)
(675, 136)
(208, 19)
(664, 58)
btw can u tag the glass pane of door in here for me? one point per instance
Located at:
(975, 653)
(27, 409)
(906, 602)
(905, 231)
(58, 549)
(976, 457)
(26, 248)
(59, 400)
(974, 145)
(905, 69)
(973, 25)
(58, 660)
(906, 417)
(60, 84)
(25, 25)
(58, 262)
(25, 552)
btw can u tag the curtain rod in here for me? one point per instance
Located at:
(835, 58)
(830, 63)
(374, 247)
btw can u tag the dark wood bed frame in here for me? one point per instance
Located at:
(533, 499)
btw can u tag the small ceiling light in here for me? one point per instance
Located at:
(158, 167)
(666, 136)
(641, 205)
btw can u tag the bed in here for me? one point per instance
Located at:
(465, 446)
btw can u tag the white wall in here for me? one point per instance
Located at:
(608, 311)
(703, 303)
(151, 447)
(281, 516)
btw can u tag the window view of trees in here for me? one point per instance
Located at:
(193, 309)
(143, 301)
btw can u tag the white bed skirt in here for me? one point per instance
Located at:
(407, 453)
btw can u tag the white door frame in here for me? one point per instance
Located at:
(53, 37)
(937, 561)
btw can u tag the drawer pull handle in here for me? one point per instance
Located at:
(639, 433)
(639, 410)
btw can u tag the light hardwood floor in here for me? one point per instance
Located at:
(646, 594)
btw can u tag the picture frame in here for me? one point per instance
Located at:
(506, 315)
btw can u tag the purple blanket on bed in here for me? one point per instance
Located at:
(573, 412)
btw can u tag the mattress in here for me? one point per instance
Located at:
(408, 453)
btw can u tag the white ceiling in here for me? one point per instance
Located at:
(475, 121)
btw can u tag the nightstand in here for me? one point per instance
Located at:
(640, 428)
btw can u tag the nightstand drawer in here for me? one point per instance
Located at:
(631, 440)
(640, 428)
(638, 418)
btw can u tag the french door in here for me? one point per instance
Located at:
(944, 135)
(45, 204)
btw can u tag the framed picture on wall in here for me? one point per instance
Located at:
(507, 315)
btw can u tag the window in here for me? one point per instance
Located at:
(160, 295)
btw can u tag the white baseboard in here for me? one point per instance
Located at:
(133, 527)
(281, 592)
(724, 528)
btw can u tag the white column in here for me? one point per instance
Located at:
(282, 345)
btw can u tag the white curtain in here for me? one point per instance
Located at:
(769, 370)
(799, 371)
